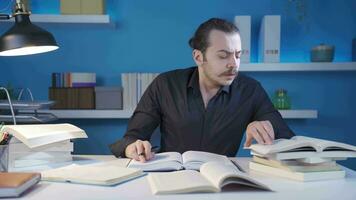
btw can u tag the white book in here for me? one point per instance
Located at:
(125, 86)
(270, 39)
(95, 175)
(296, 166)
(80, 77)
(244, 25)
(15, 165)
(170, 161)
(36, 135)
(299, 147)
(213, 177)
(42, 155)
(57, 146)
(331, 155)
(299, 176)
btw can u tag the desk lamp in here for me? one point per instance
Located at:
(24, 38)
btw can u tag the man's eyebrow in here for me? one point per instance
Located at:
(229, 52)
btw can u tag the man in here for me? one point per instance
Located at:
(205, 108)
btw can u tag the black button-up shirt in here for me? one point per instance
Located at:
(174, 102)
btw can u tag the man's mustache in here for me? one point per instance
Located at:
(229, 73)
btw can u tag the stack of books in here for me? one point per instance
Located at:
(301, 158)
(34, 145)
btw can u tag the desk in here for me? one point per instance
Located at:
(139, 188)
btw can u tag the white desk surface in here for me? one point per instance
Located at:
(342, 189)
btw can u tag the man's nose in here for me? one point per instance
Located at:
(234, 62)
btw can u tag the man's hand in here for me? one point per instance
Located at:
(261, 131)
(139, 150)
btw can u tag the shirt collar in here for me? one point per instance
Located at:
(194, 82)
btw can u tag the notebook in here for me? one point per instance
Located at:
(171, 161)
(213, 177)
(104, 175)
(14, 184)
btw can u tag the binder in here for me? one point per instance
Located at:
(270, 39)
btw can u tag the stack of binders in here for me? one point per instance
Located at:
(301, 158)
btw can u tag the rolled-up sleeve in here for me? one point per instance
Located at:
(144, 121)
(264, 110)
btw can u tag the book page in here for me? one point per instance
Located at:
(161, 162)
(328, 144)
(36, 135)
(185, 181)
(281, 145)
(194, 159)
(222, 174)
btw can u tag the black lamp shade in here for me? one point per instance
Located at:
(25, 38)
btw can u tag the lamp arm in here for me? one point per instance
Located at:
(5, 16)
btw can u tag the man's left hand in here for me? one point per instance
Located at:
(261, 131)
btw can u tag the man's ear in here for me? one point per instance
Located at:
(198, 57)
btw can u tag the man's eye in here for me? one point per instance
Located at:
(222, 56)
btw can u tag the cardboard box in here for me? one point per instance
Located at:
(93, 7)
(86, 7)
(72, 98)
(70, 7)
(108, 98)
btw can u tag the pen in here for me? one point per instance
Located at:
(154, 149)
(237, 166)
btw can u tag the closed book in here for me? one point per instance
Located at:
(67, 146)
(299, 176)
(14, 184)
(296, 166)
(104, 175)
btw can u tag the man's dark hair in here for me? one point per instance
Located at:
(200, 40)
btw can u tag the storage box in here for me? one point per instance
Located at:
(93, 7)
(108, 98)
(72, 98)
(87, 7)
(70, 7)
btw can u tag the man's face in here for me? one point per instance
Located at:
(222, 58)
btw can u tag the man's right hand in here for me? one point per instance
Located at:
(139, 150)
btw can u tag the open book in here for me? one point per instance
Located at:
(213, 177)
(105, 175)
(299, 147)
(36, 135)
(171, 161)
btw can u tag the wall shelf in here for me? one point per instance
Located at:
(126, 114)
(68, 19)
(284, 67)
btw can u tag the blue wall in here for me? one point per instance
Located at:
(151, 36)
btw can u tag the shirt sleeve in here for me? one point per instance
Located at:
(144, 121)
(266, 111)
